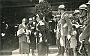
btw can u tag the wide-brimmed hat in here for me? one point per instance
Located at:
(61, 7)
(83, 7)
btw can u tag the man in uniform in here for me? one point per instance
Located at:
(85, 20)
(65, 25)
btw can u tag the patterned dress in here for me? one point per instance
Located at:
(73, 40)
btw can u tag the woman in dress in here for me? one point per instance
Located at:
(22, 34)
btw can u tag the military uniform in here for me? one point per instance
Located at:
(65, 28)
(86, 29)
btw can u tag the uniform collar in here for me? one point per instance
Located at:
(62, 14)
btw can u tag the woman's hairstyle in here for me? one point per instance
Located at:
(25, 20)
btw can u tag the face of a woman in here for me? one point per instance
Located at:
(24, 21)
(30, 21)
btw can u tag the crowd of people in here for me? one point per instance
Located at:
(72, 32)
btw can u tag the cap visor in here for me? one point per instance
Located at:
(87, 3)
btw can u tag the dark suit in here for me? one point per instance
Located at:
(43, 46)
(32, 37)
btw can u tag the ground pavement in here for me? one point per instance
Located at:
(53, 52)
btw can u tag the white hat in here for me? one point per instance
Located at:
(61, 7)
(76, 11)
(83, 6)
(88, 2)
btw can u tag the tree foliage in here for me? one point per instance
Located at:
(43, 8)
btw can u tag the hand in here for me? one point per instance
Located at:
(35, 33)
(32, 27)
(89, 40)
(29, 41)
(69, 36)
(40, 39)
(46, 40)
(54, 30)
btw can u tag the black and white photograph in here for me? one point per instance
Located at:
(44, 27)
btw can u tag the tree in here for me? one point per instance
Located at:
(43, 8)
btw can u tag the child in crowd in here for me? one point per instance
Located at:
(73, 40)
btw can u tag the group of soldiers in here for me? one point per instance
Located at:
(72, 30)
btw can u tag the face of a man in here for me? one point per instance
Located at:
(59, 11)
(81, 11)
